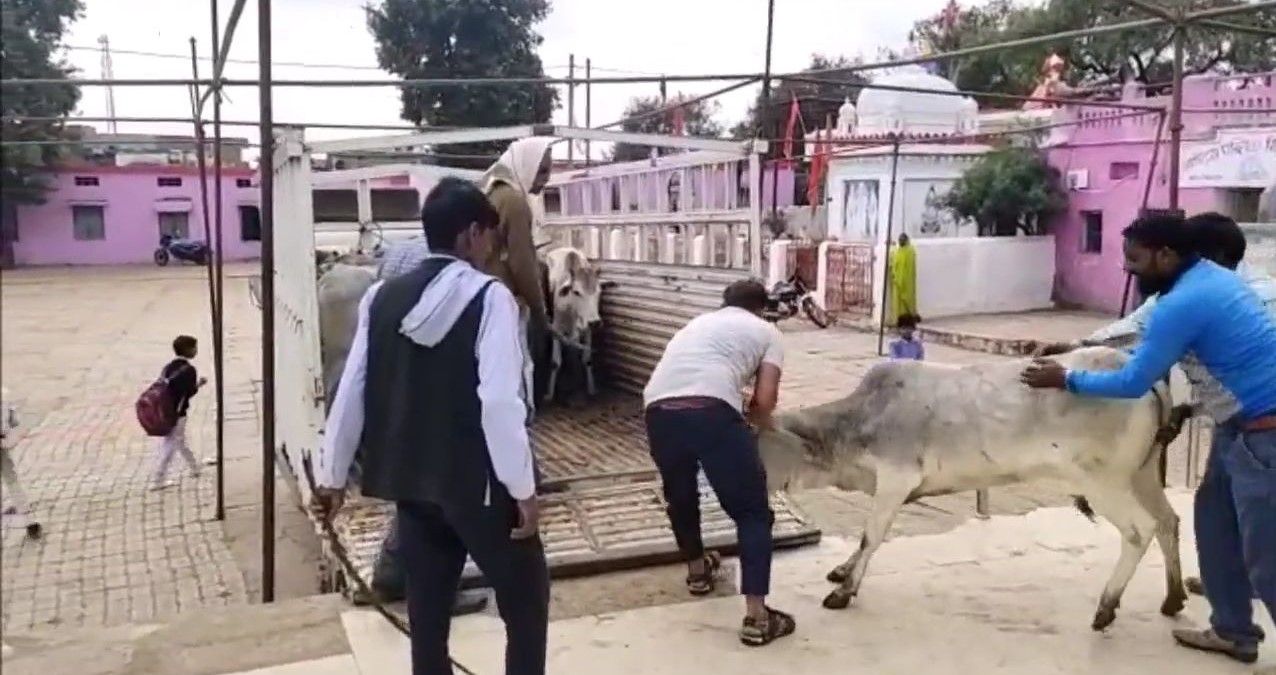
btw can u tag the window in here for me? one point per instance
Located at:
(615, 196)
(1092, 232)
(243, 182)
(249, 223)
(88, 223)
(168, 181)
(553, 199)
(1123, 170)
(175, 224)
(335, 206)
(395, 204)
(86, 181)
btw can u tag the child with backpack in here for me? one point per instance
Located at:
(180, 383)
(18, 504)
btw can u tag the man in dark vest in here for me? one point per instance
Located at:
(432, 391)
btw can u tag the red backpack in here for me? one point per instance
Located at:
(156, 409)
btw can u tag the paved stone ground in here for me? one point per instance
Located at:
(79, 345)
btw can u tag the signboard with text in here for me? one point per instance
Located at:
(1235, 159)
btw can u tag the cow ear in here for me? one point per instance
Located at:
(572, 264)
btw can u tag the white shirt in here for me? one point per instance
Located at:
(715, 355)
(504, 415)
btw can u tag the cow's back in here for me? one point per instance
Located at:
(981, 418)
(340, 289)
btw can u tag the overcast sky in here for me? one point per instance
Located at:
(651, 36)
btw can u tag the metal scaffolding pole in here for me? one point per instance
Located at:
(1176, 118)
(588, 106)
(267, 113)
(218, 261)
(214, 292)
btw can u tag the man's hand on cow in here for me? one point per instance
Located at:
(1044, 374)
(1054, 348)
(529, 519)
(327, 501)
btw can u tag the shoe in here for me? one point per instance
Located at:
(11, 511)
(1209, 641)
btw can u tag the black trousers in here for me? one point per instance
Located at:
(434, 541)
(715, 438)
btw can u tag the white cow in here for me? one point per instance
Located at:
(340, 287)
(913, 429)
(575, 289)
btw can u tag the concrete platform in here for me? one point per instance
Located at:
(1008, 595)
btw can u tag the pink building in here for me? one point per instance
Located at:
(110, 215)
(1228, 156)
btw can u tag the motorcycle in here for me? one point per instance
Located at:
(788, 297)
(189, 250)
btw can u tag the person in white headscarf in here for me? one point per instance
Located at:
(520, 173)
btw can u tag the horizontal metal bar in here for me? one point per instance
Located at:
(1227, 26)
(476, 135)
(973, 94)
(407, 82)
(734, 217)
(742, 148)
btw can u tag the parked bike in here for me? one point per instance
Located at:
(789, 297)
(189, 250)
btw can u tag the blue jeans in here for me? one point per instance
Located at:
(715, 438)
(1236, 530)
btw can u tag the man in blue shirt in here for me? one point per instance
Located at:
(1208, 311)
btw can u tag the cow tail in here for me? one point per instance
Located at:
(1164, 405)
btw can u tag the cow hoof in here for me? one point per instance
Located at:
(1103, 618)
(1174, 604)
(837, 575)
(838, 599)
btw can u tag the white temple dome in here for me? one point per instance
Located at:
(914, 114)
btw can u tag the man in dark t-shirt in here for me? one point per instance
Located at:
(183, 383)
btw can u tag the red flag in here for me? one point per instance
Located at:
(816, 175)
(789, 127)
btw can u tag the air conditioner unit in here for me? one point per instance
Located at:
(1078, 179)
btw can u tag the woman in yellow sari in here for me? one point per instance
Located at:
(903, 280)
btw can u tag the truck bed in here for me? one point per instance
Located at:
(602, 510)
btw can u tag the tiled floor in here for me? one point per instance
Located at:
(1005, 596)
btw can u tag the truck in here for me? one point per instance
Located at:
(603, 509)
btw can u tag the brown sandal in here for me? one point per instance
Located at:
(705, 582)
(777, 624)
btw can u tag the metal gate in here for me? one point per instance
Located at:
(850, 279)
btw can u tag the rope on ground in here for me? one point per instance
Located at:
(343, 559)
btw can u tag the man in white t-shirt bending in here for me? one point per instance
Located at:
(696, 420)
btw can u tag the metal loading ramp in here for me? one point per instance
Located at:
(604, 511)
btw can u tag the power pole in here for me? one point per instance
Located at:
(571, 104)
(588, 100)
(108, 73)
(1176, 116)
(764, 104)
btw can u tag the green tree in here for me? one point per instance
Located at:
(31, 33)
(697, 119)
(419, 39)
(1143, 54)
(817, 102)
(1009, 190)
